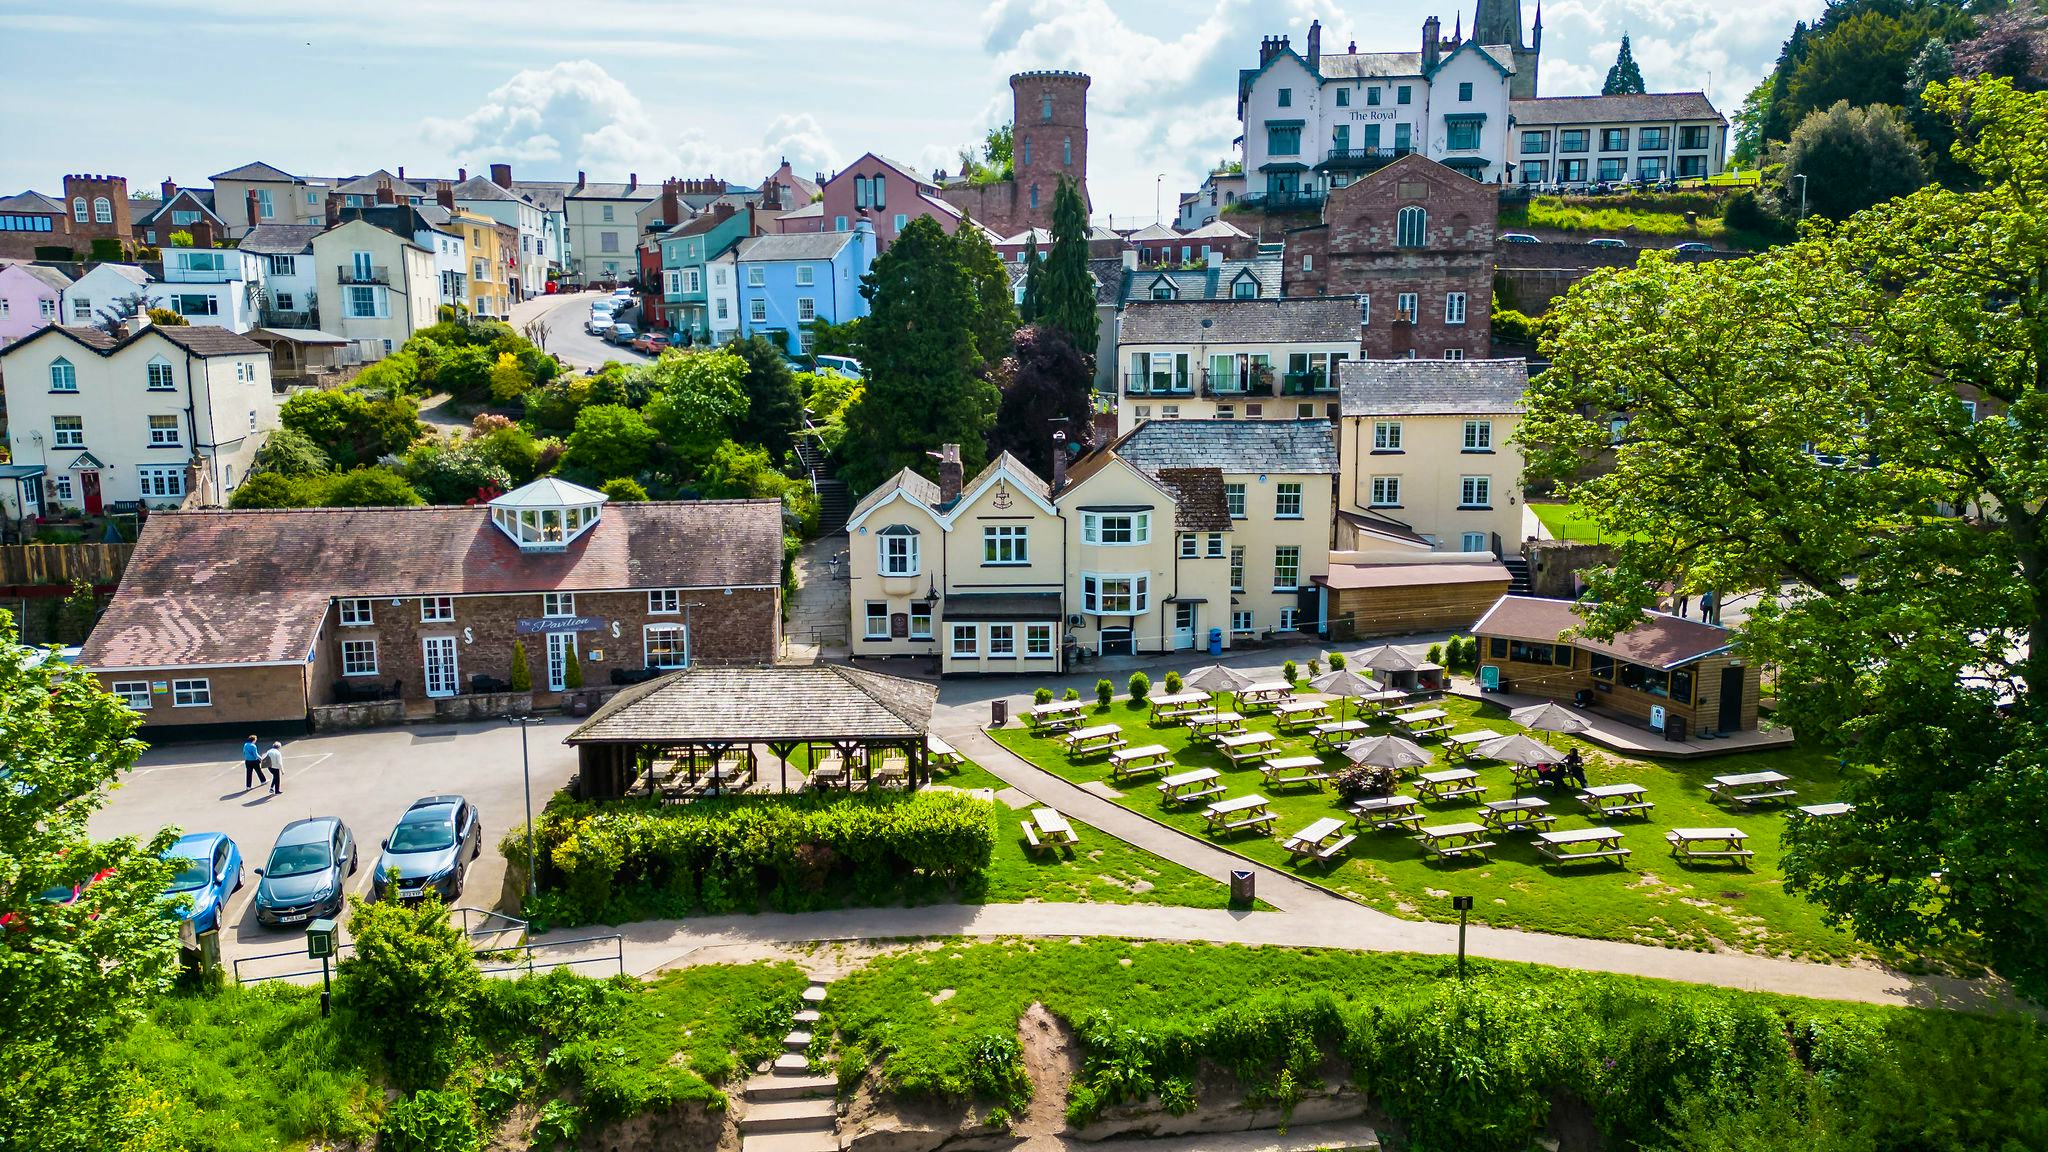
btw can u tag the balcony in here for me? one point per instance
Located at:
(1237, 384)
(1156, 384)
(1360, 159)
(362, 274)
(1315, 382)
(1285, 200)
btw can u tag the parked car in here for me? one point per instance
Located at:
(845, 366)
(307, 874)
(598, 324)
(623, 291)
(430, 848)
(58, 894)
(650, 342)
(209, 871)
(1518, 238)
(619, 333)
(1606, 242)
(1693, 246)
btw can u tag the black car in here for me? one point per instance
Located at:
(307, 874)
(430, 849)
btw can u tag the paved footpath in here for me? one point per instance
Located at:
(1307, 916)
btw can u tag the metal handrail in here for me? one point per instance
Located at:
(469, 916)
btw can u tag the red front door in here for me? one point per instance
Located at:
(89, 487)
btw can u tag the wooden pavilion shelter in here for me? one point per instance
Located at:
(712, 721)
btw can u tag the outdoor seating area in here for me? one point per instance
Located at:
(1046, 828)
(1749, 789)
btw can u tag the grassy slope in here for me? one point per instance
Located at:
(1571, 522)
(691, 1029)
(1657, 901)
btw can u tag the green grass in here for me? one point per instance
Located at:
(681, 1035)
(1656, 901)
(1542, 213)
(1573, 522)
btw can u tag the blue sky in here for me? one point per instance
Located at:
(663, 88)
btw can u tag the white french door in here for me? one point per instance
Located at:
(443, 678)
(561, 650)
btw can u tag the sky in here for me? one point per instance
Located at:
(662, 87)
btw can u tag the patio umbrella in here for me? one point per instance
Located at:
(1217, 678)
(1519, 749)
(1385, 658)
(1549, 717)
(1343, 682)
(1387, 752)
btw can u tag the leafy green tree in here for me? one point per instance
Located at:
(829, 339)
(465, 372)
(995, 308)
(552, 407)
(290, 452)
(1067, 295)
(75, 974)
(395, 375)
(75, 618)
(1747, 143)
(775, 404)
(512, 449)
(452, 473)
(1851, 158)
(739, 471)
(610, 440)
(1800, 417)
(368, 488)
(699, 398)
(408, 986)
(1046, 385)
(1863, 57)
(1027, 312)
(623, 489)
(165, 318)
(276, 490)
(1625, 78)
(509, 378)
(924, 385)
(351, 428)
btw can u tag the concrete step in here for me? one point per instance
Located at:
(807, 1016)
(792, 1062)
(815, 994)
(821, 1141)
(813, 1115)
(796, 1086)
(797, 1041)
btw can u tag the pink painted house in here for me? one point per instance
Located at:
(29, 296)
(889, 195)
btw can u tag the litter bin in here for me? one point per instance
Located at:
(1242, 886)
(1215, 641)
(1674, 728)
(998, 712)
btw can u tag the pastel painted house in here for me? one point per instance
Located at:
(217, 286)
(688, 252)
(788, 283)
(29, 296)
(82, 301)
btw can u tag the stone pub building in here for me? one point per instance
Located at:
(228, 621)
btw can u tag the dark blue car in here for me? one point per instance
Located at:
(209, 871)
(305, 877)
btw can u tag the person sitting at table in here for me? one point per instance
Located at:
(1573, 769)
(1550, 774)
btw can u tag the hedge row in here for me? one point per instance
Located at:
(623, 860)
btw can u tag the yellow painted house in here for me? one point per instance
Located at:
(490, 269)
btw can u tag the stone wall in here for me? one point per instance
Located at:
(1536, 275)
(1554, 565)
(347, 717)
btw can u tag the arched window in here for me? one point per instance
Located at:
(102, 210)
(1034, 195)
(78, 209)
(1067, 147)
(1045, 106)
(1411, 227)
(1027, 151)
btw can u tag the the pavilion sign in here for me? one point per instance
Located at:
(562, 624)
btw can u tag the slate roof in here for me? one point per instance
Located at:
(1366, 65)
(54, 277)
(1202, 505)
(547, 195)
(794, 246)
(1153, 232)
(595, 191)
(30, 201)
(1025, 477)
(281, 239)
(253, 587)
(256, 171)
(481, 188)
(1293, 320)
(1215, 228)
(206, 340)
(766, 704)
(1660, 641)
(908, 482)
(368, 186)
(1135, 285)
(814, 209)
(1235, 447)
(1613, 109)
(1432, 387)
(1108, 275)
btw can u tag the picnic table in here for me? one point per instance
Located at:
(1294, 770)
(1125, 763)
(1447, 840)
(1517, 814)
(1268, 694)
(1425, 722)
(1188, 787)
(1581, 844)
(1465, 745)
(940, 754)
(1386, 812)
(1209, 725)
(1055, 715)
(1616, 800)
(1089, 741)
(1750, 788)
(1449, 784)
(1178, 705)
(1335, 735)
(1238, 813)
(1700, 844)
(828, 773)
(1383, 699)
(1243, 746)
(1296, 713)
(1833, 808)
(1323, 840)
(890, 774)
(1051, 828)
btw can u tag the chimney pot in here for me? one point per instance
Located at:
(445, 194)
(461, 175)
(501, 175)
(632, 181)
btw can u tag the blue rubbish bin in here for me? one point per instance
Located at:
(1215, 641)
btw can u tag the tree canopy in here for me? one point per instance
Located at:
(1851, 158)
(1067, 295)
(1624, 79)
(1046, 385)
(1856, 424)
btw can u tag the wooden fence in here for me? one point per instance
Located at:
(62, 564)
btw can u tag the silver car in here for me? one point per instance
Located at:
(430, 850)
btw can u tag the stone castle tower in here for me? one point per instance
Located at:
(1049, 118)
(1500, 22)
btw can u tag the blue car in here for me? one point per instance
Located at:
(209, 871)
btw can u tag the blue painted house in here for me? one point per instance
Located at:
(789, 282)
(687, 251)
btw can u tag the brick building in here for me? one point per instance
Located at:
(1049, 119)
(231, 620)
(1414, 240)
(92, 208)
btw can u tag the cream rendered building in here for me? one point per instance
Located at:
(1428, 455)
(376, 287)
(1250, 357)
(281, 198)
(1131, 583)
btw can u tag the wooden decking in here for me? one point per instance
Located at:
(1626, 736)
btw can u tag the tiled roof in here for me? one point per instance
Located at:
(368, 186)
(281, 239)
(1660, 641)
(252, 587)
(908, 482)
(1625, 109)
(29, 201)
(816, 209)
(764, 704)
(547, 195)
(1432, 387)
(206, 340)
(615, 192)
(1235, 447)
(92, 338)
(1025, 477)
(256, 171)
(1202, 505)
(1135, 285)
(1223, 228)
(794, 246)
(1293, 320)
(1153, 232)
(481, 188)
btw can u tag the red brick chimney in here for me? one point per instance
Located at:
(202, 232)
(445, 195)
(632, 181)
(501, 175)
(255, 209)
(333, 209)
(671, 203)
(401, 171)
(952, 475)
(385, 193)
(580, 181)
(170, 191)
(462, 175)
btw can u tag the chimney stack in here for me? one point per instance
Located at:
(501, 175)
(170, 190)
(401, 171)
(632, 181)
(385, 193)
(462, 175)
(1130, 259)
(1059, 460)
(1432, 42)
(580, 181)
(445, 195)
(333, 209)
(255, 207)
(951, 475)
(1315, 44)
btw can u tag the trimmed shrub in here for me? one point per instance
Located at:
(1315, 668)
(522, 671)
(1173, 683)
(1140, 685)
(1288, 671)
(1337, 660)
(1435, 655)
(1071, 694)
(1104, 692)
(409, 986)
(1042, 696)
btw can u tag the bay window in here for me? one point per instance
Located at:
(896, 550)
(1115, 595)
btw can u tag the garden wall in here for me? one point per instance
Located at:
(347, 717)
(1554, 565)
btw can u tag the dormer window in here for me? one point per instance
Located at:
(546, 515)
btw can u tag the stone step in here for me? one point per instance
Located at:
(789, 1087)
(807, 1016)
(812, 1115)
(792, 1062)
(815, 994)
(797, 1041)
(821, 1141)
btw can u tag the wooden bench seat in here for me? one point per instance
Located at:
(1030, 835)
(1331, 851)
(1191, 797)
(1760, 797)
(1461, 849)
(1255, 821)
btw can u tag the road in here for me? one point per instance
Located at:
(565, 316)
(365, 778)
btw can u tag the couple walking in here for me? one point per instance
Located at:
(255, 762)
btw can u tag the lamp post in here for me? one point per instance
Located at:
(526, 777)
(1801, 177)
(1158, 186)
(1464, 906)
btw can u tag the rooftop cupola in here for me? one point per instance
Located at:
(546, 515)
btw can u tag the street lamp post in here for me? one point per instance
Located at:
(526, 776)
(1801, 177)
(1158, 204)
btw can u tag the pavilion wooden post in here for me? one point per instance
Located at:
(782, 750)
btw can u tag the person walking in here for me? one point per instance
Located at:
(273, 759)
(252, 764)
